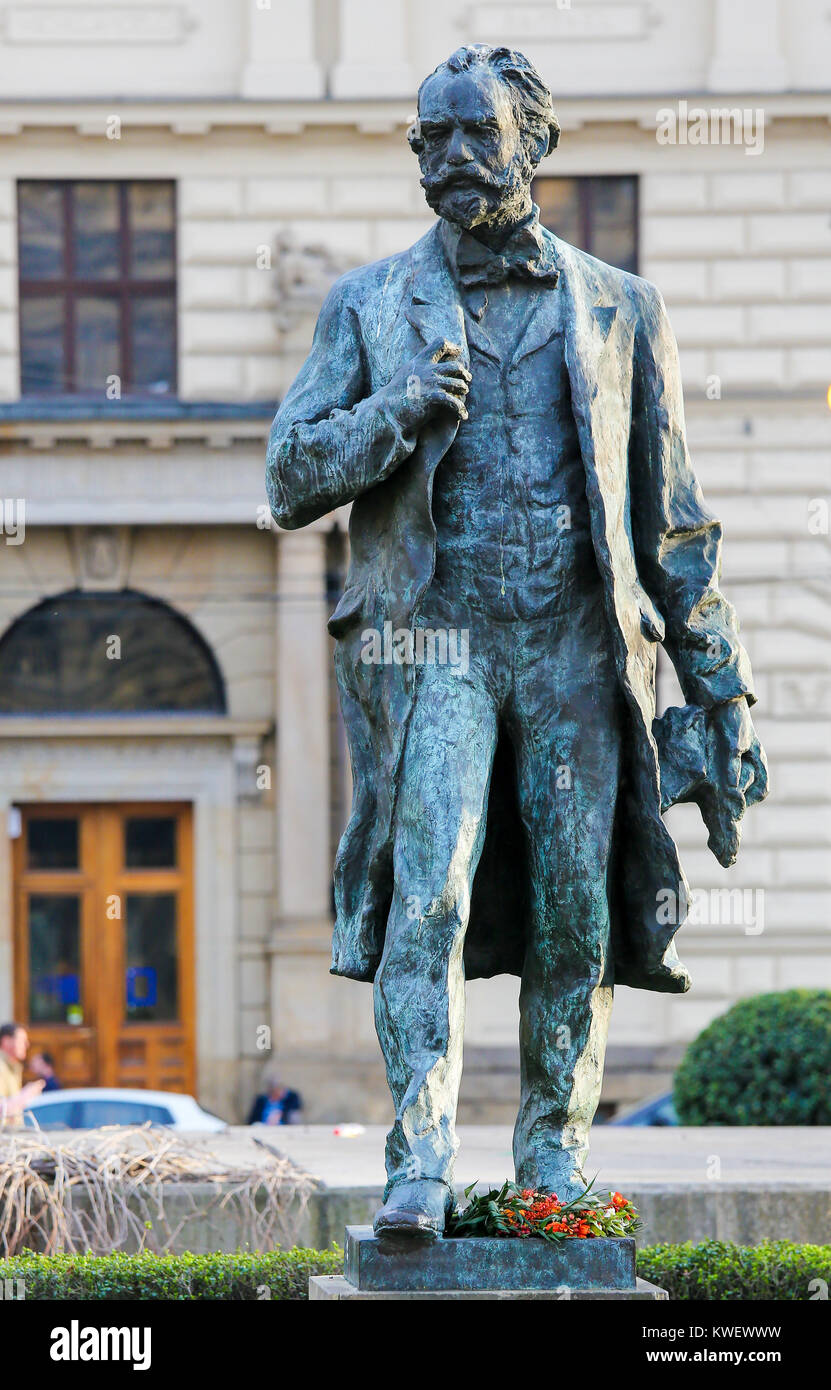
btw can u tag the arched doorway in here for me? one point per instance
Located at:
(103, 892)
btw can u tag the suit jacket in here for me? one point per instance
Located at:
(337, 439)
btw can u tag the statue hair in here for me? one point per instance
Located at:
(530, 97)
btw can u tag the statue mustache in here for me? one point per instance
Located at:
(467, 177)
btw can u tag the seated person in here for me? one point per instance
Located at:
(276, 1106)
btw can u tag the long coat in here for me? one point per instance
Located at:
(337, 439)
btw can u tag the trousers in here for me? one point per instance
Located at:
(550, 686)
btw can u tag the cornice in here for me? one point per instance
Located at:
(72, 727)
(45, 435)
(199, 118)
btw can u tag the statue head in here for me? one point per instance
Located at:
(485, 120)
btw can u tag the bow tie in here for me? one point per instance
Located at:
(524, 257)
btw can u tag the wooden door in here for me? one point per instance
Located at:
(104, 942)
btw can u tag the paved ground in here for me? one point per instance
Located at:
(620, 1156)
(744, 1185)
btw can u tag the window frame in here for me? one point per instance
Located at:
(123, 289)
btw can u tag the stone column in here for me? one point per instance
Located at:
(747, 49)
(280, 62)
(302, 780)
(373, 50)
(322, 1031)
(300, 943)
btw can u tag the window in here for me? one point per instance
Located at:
(52, 843)
(597, 213)
(150, 842)
(97, 288)
(62, 1115)
(120, 1112)
(59, 658)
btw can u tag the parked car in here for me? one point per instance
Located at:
(657, 1111)
(89, 1107)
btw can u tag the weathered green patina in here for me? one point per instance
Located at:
(505, 414)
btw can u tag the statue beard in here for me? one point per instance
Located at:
(474, 197)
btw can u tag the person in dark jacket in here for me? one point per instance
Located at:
(277, 1106)
(43, 1066)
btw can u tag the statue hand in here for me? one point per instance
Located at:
(737, 770)
(431, 381)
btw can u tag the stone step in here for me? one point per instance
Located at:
(335, 1288)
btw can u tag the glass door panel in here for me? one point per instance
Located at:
(150, 842)
(52, 843)
(151, 974)
(54, 958)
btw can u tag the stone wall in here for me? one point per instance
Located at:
(223, 581)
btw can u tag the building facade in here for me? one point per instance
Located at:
(179, 186)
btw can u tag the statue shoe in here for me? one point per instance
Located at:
(414, 1211)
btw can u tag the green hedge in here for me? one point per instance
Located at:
(764, 1062)
(238, 1277)
(719, 1270)
(711, 1270)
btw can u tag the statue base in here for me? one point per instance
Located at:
(482, 1267)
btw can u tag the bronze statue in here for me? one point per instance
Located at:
(505, 414)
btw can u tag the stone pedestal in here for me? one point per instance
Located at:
(484, 1268)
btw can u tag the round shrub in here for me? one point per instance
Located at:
(765, 1062)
